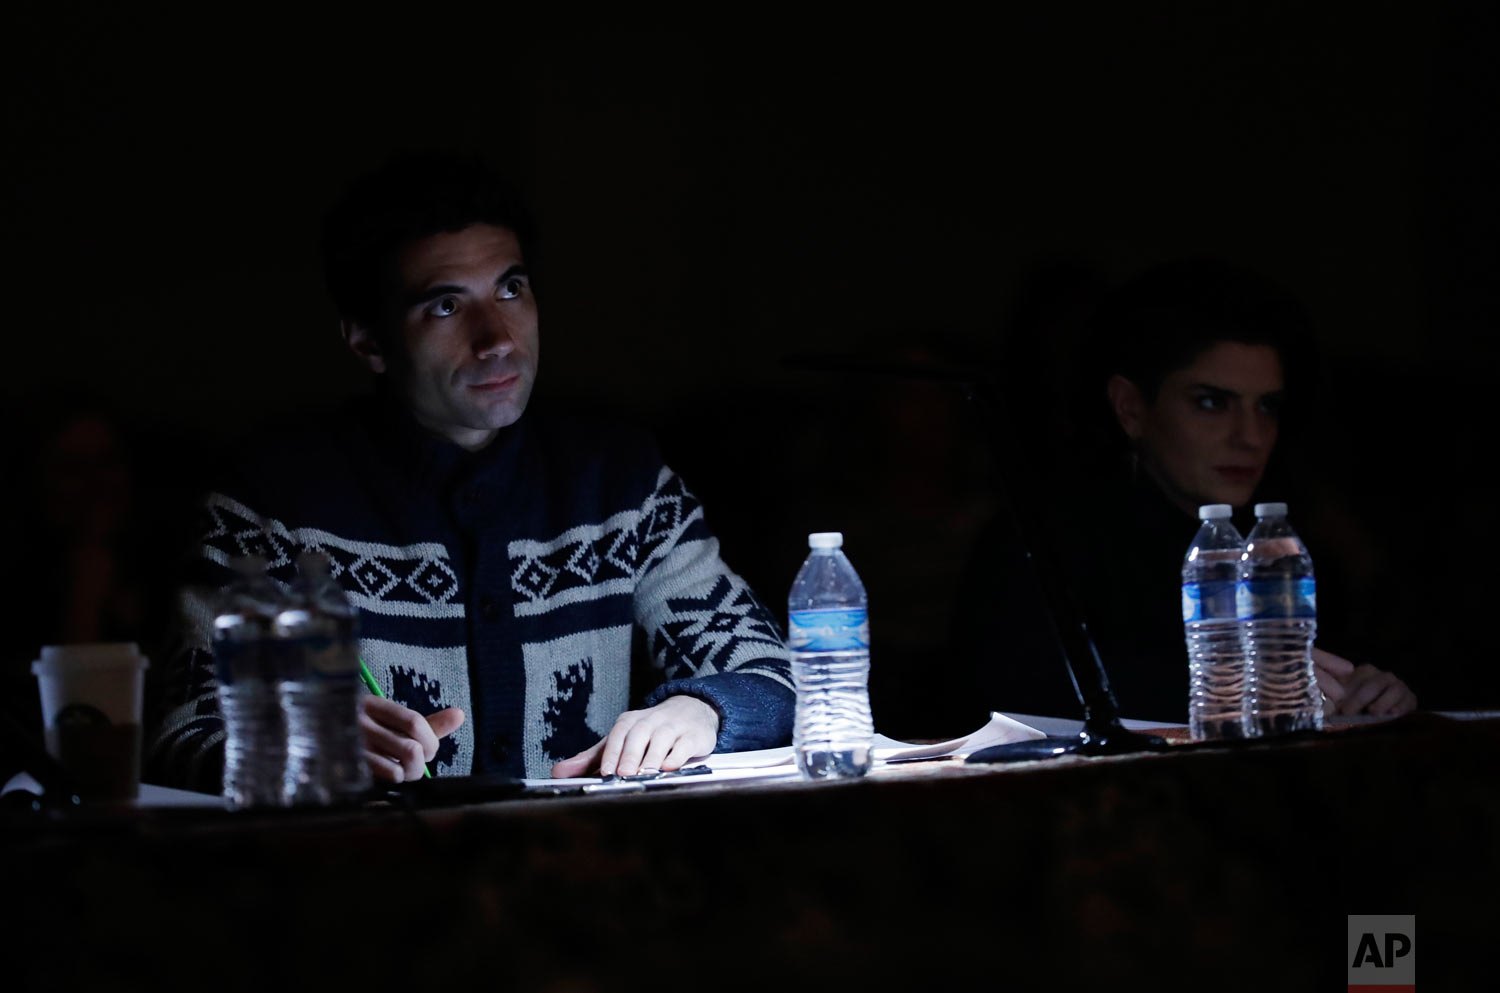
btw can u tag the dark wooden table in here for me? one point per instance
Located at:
(1225, 868)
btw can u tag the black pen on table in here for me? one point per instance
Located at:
(364, 673)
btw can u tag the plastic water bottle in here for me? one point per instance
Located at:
(244, 669)
(320, 690)
(1278, 607)
(1216, 657)
(828, 630)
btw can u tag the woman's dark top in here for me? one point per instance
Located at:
(1120, 546)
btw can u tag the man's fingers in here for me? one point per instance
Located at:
(663, 740)
(633, 746)
(445, 722)
(379, 708)
(402, 721)
(642, 740)
(682, 752)
(399, 742)
(580, 764)
(609, 758)
(384, 768)
(403, 749)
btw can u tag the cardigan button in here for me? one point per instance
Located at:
(489, 608)
(500, 748)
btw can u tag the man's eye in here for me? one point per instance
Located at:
(1209, 401)
(444, 307)
(1271, 406)
(511, 288)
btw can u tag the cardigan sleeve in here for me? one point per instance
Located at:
(185, 739)
(184, 747)
(708, 634)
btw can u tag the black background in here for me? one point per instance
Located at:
(713, 200)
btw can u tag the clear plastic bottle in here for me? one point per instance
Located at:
(1278, 609)
(244, 669)
(320, 689)
(1216, 657)
(828, 631)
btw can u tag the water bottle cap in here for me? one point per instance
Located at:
(1270, 510)
(1215, 511)
(826, 539)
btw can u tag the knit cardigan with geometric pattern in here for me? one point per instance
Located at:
(545, 584)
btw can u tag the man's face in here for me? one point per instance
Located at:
(461, 333)
(1208, 434)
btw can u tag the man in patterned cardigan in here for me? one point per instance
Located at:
(536, 571)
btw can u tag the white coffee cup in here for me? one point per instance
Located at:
(91, 715)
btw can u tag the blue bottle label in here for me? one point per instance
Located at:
(1271, 599)
(1208, 601)
(841, 630)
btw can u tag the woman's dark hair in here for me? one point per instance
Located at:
(410, 197)
(1164, 319)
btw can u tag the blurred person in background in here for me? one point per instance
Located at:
(82, 550)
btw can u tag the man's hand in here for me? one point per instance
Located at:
(399, 742)
(1356, 689)
(659, 738)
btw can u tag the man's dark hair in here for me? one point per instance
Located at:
(410, 197)
(1164, 319)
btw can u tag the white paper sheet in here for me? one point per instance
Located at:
(1000, 730)
(1068, 727)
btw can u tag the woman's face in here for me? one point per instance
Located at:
(1207, 435)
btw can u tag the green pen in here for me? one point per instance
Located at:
(364, 673)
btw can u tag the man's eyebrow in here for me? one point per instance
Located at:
(430, 293)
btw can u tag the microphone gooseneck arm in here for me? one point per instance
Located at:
(1102, 731)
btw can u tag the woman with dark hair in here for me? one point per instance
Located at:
(1195, 360)
(1191, 368)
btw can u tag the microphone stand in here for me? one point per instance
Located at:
(1102, 733)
